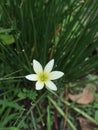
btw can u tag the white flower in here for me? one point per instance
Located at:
(44, 76)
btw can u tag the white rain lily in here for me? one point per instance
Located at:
(44, 76)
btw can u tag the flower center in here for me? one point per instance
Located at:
(43, 77)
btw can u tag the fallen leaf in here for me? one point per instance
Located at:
(86, 124)
(85, 97)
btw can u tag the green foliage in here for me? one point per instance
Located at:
(6, 103)
(27, 93)
(96, 115)
(13, 128)
(7, 39)
(38, 23)
(65, 30)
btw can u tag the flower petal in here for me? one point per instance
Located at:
(39, 85)
(32, 77)
(37, 66)
(49, 66)
(56, 75)
(51, 85)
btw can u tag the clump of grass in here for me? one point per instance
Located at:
(63, 30)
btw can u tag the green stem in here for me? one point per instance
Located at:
(76, 109)
(33, 121)
(31, 108)
(62, 113)
(12, 78)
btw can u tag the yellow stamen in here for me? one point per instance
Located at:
(43, 77)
